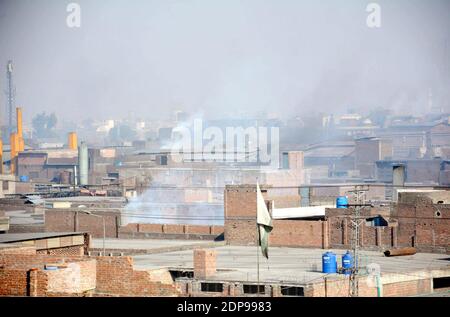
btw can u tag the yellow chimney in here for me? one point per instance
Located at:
(19, 122)
(21, 143)
(73, 141)
(14, 141)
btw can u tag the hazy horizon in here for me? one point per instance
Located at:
(284, 57)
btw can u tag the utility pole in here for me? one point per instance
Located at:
(359, 194)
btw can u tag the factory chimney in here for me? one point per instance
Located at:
(20, 140)
(14, 141)
(73, 141)
(83, 163)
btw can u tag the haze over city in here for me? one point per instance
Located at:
(249, 149)
(220, 57)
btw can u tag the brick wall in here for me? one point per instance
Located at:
(240, 215)
(61, 220)
(107, 275)
(115, 275)
(373, 238)
(240, 232)
(403, 286)
(295, 233)
(13, 282)
(407, 288)
(70, 251)
(423, 225)
(24, 274)
(17, 249)
(171, 229)
(77, 277)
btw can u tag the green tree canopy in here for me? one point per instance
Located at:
(44, 125)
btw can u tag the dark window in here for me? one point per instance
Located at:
(185, 274)
(292, 291)
(5, 185)
(113, 175)
(254, 289)
(212, 287)
(441, 282)
(285, 160)
(376, 222)
(163, 160)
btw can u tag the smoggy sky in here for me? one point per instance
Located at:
(219, 56)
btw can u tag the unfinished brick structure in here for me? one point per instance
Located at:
(204, 263)
(22, 273)
(116, 276)
(67, 243)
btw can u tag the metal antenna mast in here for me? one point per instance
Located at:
(11, 93)
(356, 221)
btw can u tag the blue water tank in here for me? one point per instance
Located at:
(24, 178)
(342, 202)
(347, 263)
(329, 262)
(50, 268)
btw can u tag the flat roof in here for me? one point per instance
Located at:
(18, 237)
(151, 245)
(287, 265)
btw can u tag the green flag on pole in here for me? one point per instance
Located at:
(264, 222)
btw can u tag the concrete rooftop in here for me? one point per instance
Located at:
(288, 265)
(152, 245)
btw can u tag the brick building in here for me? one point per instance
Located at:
(49, 165)
(423, 171)
(368, 151)
(416, 221)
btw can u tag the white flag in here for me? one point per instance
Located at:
(264, 222)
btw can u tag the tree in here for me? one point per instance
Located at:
(44, 125)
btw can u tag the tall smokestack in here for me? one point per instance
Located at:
(73, 141)
(14, 141)
(21, 147)
(83, 163)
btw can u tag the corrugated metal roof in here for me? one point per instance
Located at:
(62, 161)
(17, 237)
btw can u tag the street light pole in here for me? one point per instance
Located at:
(104, 235)
(104, 227)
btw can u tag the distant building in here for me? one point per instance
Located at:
(424, 172)
(46, 166)
(368, 151)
